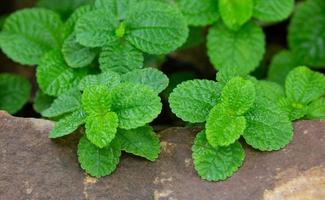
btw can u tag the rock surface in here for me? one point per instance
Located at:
(34, 167)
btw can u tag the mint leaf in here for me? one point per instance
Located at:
(294, 110)
(135, 105)
(214, 164)
(117, 7)
(141, 142)
(192, 100)
(68, 124)
(226, 47)
(223, 127)
(96, 100)
(235, 13)
(226, 74)
(269, 90)
(156, 27)
(101, 128)
(120, 57)
(14, 93)
(273, 11)
(28, 34)
(108, 79)
(153, 78)
(42, 101)
(316, 110)
(96, 161)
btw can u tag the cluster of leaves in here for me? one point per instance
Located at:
(259, 111)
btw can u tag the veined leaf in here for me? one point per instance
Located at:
(42, 101)
(117, 7)
(273, 10)
(108, 79)
(316, 110)
(96, 100)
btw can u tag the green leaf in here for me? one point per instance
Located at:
(193, 100)
(294, 110)
(96, 161)
(28, 34)
(141, 142)
(223, 127)
(96, 100)
(235, 13)
(108, 79)
(153, 78)
(65, 103)
(199, 12)
(226, 74)
(316, 110)
(215, 164)
(155, 27)
(117, 7)
(14, 93)
(42, 101)
(242, 49)
(135, 105)
(101, 128)
(96, 28)
(307, 33)
(120, 57)
(269, 90)
(55, 77)
(68, 124)
(273, 10)
(238, 95)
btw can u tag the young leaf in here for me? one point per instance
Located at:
(14, 93)
(108, 79)
(214, 164)
(226, 74)
(235, 13)
(101, 128)
(223, 127)
(96, 161)
(274, 10)
(120, 57)
(28, 34)
(236, 49)
(153, 78)
(316, 110)
(294, 110)
(135, 105)
(42, 101)
(96, 100)
(117, 7)
(141, 142)
(269, 90)
(193, 100)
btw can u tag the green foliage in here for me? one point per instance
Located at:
(316, 109)
(109, 79)
(274, 10)
(42, 101)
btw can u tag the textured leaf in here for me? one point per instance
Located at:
(28, 34)
(96, 100)
(223, 127)
(235, 13)
(156, 27)
(236, 49)
(98, 162)
(192, 100)
(70, 24)
(68, 124)
(42, 101)
(120, 57)
(14, 93)
(117, 7)
(135, 105)
(101, 128)
(226, 74)
(108, 79)
(68, 102)
(176, 79)
(214, 164)
(141, 142)
(273, 10)
(199, 12)
(153, 78)
(294, 111)
(307, 33)
(316, 110)
(269, 90)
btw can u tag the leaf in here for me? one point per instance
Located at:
(155, 27)
(238, 95)
(199, 12)
(120, 57)
(306, 41)
(96, 161)
(68, 124)
(269, 90)
(274, 10)
(96, 100)
(141, 142)
(215, 164)
(14, 93)
(65, 103)
(96, 28)
(28, 34)
(223, 127)
(101, 128)
(316, 110)
(153, 78)
(226, 74)
(42, 101)
(235, 13)
(108, 79)
(193, 100)
(294, 111)
(70, 24)
(117, 7)
(242, 49)
(135, 105)
(54, 77)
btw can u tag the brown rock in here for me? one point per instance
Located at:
(34, 167)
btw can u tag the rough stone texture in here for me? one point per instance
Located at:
(34, 167)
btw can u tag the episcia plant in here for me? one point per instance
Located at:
(243, 106)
